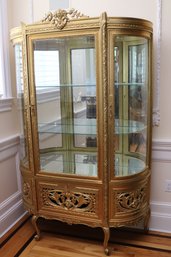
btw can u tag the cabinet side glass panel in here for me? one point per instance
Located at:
(20, 104)
(131, 104)
(64, 75)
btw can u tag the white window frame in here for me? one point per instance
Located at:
(5, 99)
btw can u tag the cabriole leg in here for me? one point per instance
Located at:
(34, 222)
(106, 239)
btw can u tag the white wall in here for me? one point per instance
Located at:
(33, 10)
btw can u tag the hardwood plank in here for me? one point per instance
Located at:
(124, 243)
(135, 237)
(51, 245)
(141, 239)
(14, 228)
(28, 248)
(141, 252)
(18, 240)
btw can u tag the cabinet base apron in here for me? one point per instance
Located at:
(106, 230)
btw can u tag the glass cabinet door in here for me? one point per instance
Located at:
(65, 84)
(131, 89)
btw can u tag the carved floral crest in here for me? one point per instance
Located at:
(60, 17)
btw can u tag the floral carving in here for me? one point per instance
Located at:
(26, 191)
(69, 200)
(60, 18)
(131, 200)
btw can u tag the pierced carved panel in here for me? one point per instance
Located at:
(130, 201)
(67, 200)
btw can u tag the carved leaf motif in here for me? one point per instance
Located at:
(26, 189)
(69, 200)
(131, 200)
(27, 192)
(60, 17)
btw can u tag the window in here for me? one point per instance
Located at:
(1, 76)
(5, 83)
(46, 69)
(19, 68)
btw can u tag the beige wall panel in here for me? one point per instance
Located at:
(8, 124)
(8, 181)
(164, 130)
(161, 170)
(131, 8)
(40, 8)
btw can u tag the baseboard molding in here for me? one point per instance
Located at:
(9, 203)
(160, 217)
(11, 217)
(11, 208)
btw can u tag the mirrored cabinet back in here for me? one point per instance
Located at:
(84, 95)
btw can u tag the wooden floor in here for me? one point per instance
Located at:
(123, 243)
(52, 245)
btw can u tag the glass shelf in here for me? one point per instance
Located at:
(128, 126)
(129, 84)
(57, 87)
(133, 84)
(88, 127)
(126, 165)
(80, 127)
(83, 164)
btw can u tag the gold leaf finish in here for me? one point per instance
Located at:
(130, 200)
(60, 18)
(68, 200)
(93, 183)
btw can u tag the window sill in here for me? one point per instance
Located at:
(6, 104)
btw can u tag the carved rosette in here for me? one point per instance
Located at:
(26, 192)
(81, 202)
(60, 18)
(129, 201)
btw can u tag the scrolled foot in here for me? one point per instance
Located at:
(37, 237)
(34, 222)
(106, 239)
(107, 252)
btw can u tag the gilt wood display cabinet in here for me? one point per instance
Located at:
(84, 98)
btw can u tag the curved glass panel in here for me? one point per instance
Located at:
(20, 104)
(131, 102)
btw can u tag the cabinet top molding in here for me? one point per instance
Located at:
(74, 20)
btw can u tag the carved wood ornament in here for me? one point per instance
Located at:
(60, 17)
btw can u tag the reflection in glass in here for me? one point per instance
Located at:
(49, 162)
(126, 165)
(131, 102)
(46, 68)
(65, 82)
(84, 95)
(86, 164)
